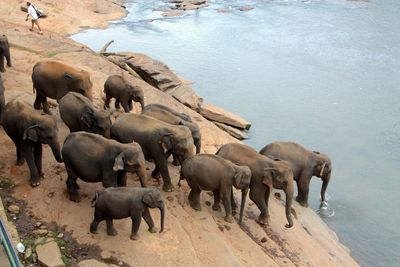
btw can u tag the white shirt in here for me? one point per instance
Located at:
(32, 12)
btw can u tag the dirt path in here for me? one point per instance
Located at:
(190, 238)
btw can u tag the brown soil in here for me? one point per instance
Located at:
(190, 238)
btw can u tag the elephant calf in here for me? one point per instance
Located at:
(4, 52)
(29, 129)
(2, 99)
(123, 92)
(123, 202)
(79, 114)
(94, 158)
(304, 164)
(164, 114)
(213, 173)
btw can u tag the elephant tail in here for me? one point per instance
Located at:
(96, 196)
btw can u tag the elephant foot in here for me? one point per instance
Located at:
(93, 229)
(135, 236)
(168, 187)
(263, 219)
(216, 207)
(20, 161)
(74, 196)
(234, 212)
(229, 219)
(152, 230)
(195, 206)
(302, 202)
(35, 181)
(175, 163)
(112, 231)
(155, 175)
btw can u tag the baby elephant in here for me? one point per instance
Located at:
(211, 172)
(123, 92)
(123, 202)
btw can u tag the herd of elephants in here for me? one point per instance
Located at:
(97, 150)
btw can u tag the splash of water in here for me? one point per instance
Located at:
(325, 210)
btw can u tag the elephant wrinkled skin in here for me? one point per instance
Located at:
(265, 175)
(304, 164)
(29, 129)
(122, 202)
(2, 99)
(54, 79)
(4, 52)
(156, 138)
(94, 158)
(213, 173)
(79, 114)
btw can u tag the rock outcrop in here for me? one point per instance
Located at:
(48, 254)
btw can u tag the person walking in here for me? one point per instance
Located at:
(32, 11)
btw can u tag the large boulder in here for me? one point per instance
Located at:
(218, 114)
(235, 132)
(187, 96)
(49, 254)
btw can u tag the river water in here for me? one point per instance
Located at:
(325, 74)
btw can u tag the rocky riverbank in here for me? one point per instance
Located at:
(190, 237)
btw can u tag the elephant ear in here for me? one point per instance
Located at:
(238, 177)
(119, 163)
(148, 199)
(166, 141)
(87, 117)
(268, 177)
(30, 133)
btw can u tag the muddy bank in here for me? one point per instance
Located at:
(190, 237)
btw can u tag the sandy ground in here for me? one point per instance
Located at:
(190, 238)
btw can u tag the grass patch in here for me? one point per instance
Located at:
(24, 48)
(6, 181)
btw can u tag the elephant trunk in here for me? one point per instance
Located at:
(141, 172)
(142, 103)
(244, 196)
(197, 143)
(162, 215)
(325, 182)
(55, 148)
(288, 208)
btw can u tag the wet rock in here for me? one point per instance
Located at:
(218, 114)
(235, 132)
(189, 4)
(172, 13)
(49, 254)
(13, 209)
(246, 8)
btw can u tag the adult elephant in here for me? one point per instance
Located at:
(265, 175)
(29, 129)
(54, 79)
(2, 99)
(123, 92)
(156, 138)
(4, 52)
(94, 158)
(213, 173)
(79, 114)
(165, 115)
(304, 164)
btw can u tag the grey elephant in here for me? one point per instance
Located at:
(79, 114)
(164, 114)
(213, 173)
(304, 164)
(94, 158)
(2, 99)
(54, 79)
(29, 129)
(4, 52)
(122, 202)
(156, 138)
(265, 175)
(123, 92)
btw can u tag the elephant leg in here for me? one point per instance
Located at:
(27, 153)
(175, 160)
(46, 108)
(125, 106)
(107, 101)
(156, 173)
(194, 195)
(110, 179)
(136, 220)
(97, 219)
(217, 199)
(162, 164)
(72, 185)
(257, 195)
(121, 178)
(116, 104)
(233, 203)
(2, 69)
(303, 186)
(8, 58)
(110, 227)
(37, 150)
(38, 100)
(147, 217)
(226, 200)
(130, 105)
(18, 146)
